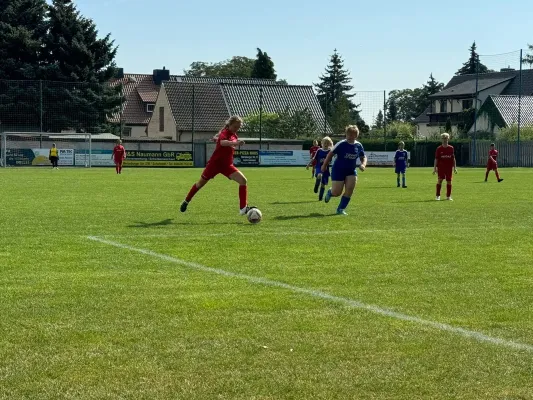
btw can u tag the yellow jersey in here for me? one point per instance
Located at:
(53, 152)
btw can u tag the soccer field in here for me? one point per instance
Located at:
(108, 292)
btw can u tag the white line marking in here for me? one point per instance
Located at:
(302, 233)
(481, 337)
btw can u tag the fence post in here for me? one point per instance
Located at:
(192, 120)
(260, 117)
(41, 113)
(385, 118)
(475, 115)
(519, 112)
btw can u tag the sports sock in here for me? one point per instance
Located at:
(321, 194)
(317, 184)
(192, 192)
(398, 179)
(116, 168)
(403, 180)
(344, 203)
(448, 189)
(487, 174)
(439, 187)
(243, 196)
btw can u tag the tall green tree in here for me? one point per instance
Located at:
(263, 66)
(75, 55)
(334, 93)
(473, 65)
(380, 121)
(528, 58)
(392, 110)
(236, 67)
(432, 86)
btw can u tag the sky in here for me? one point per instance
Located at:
(385, 44)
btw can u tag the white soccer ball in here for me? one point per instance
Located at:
(254, 216)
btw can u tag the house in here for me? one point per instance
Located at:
(194, 109)
(499, 112)
(140, 93)
(456, 101)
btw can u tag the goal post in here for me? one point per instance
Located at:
(22, 149)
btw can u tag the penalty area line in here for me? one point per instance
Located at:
(475, 335)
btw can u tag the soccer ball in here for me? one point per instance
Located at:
(254, 216)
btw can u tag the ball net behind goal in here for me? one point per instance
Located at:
(23, 149)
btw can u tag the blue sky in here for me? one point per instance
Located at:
(385, 44)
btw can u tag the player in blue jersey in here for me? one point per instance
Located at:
(343, 172)
(400, 163)
(322, 178)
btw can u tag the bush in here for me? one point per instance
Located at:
(511, 133)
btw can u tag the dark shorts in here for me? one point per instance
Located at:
(492, 166)
(54, 159)
(400, 170)
(325, 175)
(338, 174)
(212, 170)
(446, 174)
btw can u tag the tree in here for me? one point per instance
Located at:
(340, 116)
(379, 122)
(432, 86)
(528, 59)
(448, 126)
(473, 65)
(284, 124)
(333, 91)
(392, 110)
(263, 66)
(236, 67)
(74, 54)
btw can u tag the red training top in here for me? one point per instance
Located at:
(494, 155)
(445, 157)
(119, 153)
(224, 154)
(313, 150)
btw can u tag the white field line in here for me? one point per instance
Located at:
(481, 337)
(354, 231)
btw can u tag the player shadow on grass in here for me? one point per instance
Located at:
(415, 201)
(312, 215)
(165, 222)
(293, 202)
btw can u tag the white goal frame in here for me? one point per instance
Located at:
(49, 138)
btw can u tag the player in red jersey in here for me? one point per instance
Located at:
(119, 155)
(445, 166)
(312, 151)
(221, 162)
(492, 164)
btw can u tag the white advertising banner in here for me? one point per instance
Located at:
(382, 158)
(284, 157)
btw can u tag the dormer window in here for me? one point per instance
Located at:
(150, 107)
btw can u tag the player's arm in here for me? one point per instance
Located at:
(454, 164)
(124, 156)
(327, 161)
(311, 161)
(362, 167)
(435, 166)
(113, 154)
(231, 143)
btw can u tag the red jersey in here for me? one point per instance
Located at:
(494, 155)
(119, 152)
(313, 150)
(445, 157)
(224, 154)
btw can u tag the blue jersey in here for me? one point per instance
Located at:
(347, 155)
(401, 157)
(320, 157)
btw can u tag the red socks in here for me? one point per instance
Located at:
(243, 196)
(192, 192)
(497, 175)
(439, 187)
(117, 168)
(448, 190)
(487, 174)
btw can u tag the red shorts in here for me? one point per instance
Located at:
(492, 166)
(119, 162)
(445, 174)
(212, 170)
(314, 163)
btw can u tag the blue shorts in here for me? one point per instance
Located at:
(341, 174)
(400, 170)
(325, 175)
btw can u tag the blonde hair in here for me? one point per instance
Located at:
(232, 120)
(326, 141)
(352, 128)
(401, 144)
(445, 136)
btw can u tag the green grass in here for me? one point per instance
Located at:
(86, 320)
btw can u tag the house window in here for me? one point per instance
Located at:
(161, 119)
(126, 131)
(150, 107)
(443, 106)
(468, 104)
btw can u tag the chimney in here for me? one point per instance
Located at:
(161, 75)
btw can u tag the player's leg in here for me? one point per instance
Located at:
(449, 176)
(397, 178)
(206, 176)
(439, 186)
(487, 173)
(335, 190)
(349, 186)
(239, 177)
(403, 180)
(318, 175)
(120, 167)
(497, 174)
(324, 181)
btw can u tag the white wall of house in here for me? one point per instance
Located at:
(483, 123)
(169, 125)
(137, 131)
(425, 131)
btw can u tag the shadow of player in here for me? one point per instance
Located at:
(165, 222)
(312, 215)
